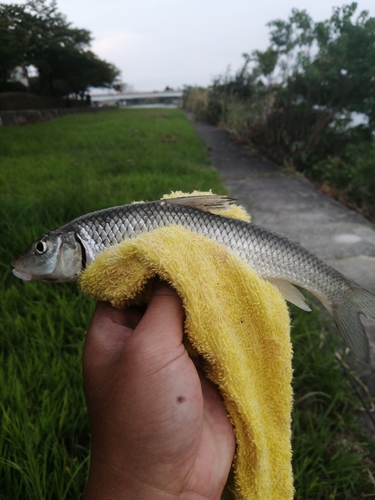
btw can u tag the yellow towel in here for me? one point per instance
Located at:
(238, 322)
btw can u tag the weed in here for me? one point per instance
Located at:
(331, 454)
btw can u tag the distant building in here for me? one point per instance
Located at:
(19, 74)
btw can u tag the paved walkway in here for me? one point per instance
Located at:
(288, 204)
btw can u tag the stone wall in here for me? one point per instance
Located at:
(24, 117)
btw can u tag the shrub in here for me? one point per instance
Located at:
(351, 176)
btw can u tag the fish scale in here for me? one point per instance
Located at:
(272, 255)
(62, 254)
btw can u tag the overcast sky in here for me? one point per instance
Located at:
(156, 43)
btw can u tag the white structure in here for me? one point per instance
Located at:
(19, 74)
(126, 97)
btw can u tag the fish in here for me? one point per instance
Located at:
(62, 254)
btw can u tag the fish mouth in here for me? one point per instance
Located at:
(23, 275)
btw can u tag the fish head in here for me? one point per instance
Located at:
(54, 257)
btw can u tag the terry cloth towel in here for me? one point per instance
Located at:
(238, 322)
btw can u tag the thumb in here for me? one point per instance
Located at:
(162, 324)
(108, 331)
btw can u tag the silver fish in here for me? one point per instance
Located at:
(62, 254)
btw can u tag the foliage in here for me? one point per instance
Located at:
(294, 101)
(14, 40)
(311, 75)
(332, 458)
(13, 101)
(350, 176)
(227, 95)
(195, 100)
(37, 34)
(324, 70)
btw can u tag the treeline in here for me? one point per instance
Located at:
(37, 34)
(295, 101)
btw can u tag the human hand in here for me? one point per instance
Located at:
(159, 428)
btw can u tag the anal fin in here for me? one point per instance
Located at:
(290, 293)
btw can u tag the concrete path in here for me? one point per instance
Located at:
(288, 204)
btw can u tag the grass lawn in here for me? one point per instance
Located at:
(55, 171)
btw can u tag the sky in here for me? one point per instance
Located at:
(159, 43)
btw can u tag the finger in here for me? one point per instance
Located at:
(217, 419)
(108, 331)
(105, 312)
(163, 319)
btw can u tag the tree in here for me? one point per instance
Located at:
(14, 39)
(76, 71)
(42, 37)
(323, 71)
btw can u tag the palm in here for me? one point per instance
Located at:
(189, 426)
(154, 417)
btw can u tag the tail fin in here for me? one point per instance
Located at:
(346, 316)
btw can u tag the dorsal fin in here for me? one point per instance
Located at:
(205, 202)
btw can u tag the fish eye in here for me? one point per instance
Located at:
(41, 247)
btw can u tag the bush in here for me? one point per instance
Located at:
(24, 100)
(351, 176)
(195, 100)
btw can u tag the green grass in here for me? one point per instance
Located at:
(333, 458)
(52, 172)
